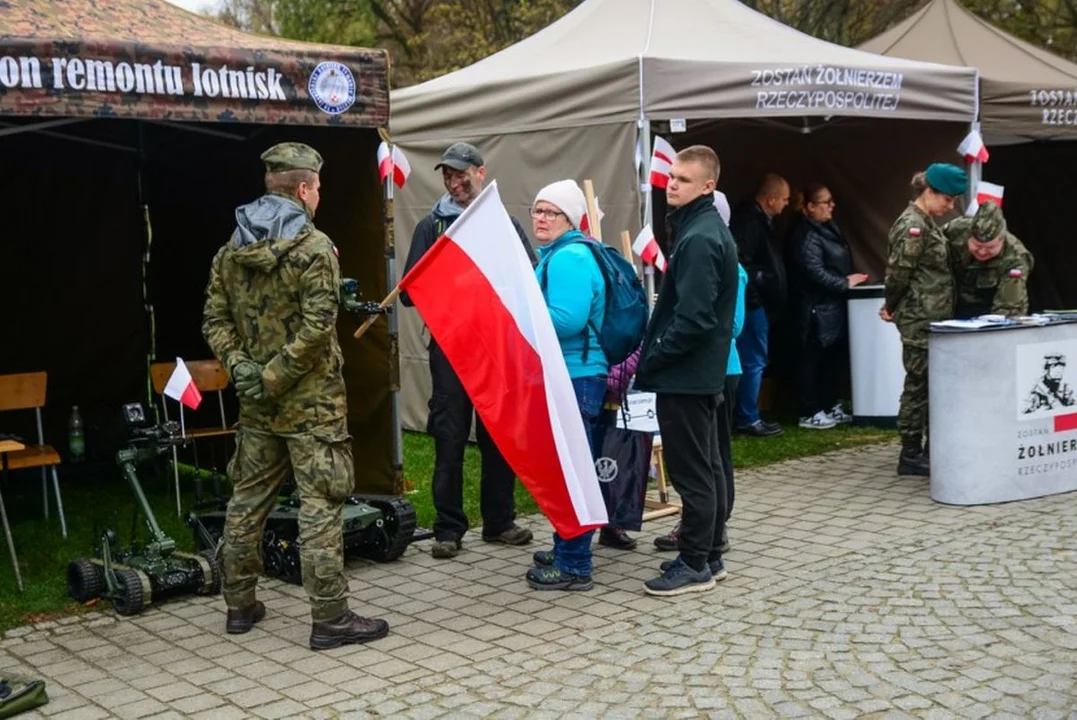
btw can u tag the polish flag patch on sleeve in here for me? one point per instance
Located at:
(915, 232)
(1015, 273)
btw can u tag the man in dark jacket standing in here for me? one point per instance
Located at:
(683, 361)
(752, 225)
(449, 421)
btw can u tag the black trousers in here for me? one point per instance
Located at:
(689, 427)
(818, 370)
(449, 423)
(725, 437)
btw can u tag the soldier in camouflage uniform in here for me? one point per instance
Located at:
(919, 291)
(270, 318)
(990, 265)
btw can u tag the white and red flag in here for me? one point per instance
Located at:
(985, 191)
(646, 247)
(393, 162)
(585, 222)
(661, 162)
(973, 148)
(498, 336)
(181, 387)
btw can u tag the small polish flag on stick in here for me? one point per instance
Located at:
(393, 161)
(585, 223)
(985, 191)
(646, 247)
(973, 148)
(661, 163)
(181, 386)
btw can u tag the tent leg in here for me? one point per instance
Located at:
(394, 327)
(648, 194)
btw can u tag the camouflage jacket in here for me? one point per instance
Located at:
(919, 287)
(274, 300)
(997, 286)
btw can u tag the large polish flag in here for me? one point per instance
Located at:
(477, 292)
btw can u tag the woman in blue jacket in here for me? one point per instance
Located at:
(575, 293)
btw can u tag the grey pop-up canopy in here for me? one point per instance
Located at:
(1026, 91)
(578, 98)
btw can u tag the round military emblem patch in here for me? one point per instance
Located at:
(606, 469)
(332, 87)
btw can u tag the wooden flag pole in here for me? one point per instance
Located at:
(592, 210)
(389, 300)
(626, 245)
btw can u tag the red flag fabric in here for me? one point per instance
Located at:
(646, 247)
(181, 387)
(661, 162)
(498, 336)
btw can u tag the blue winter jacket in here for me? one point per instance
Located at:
(733, 367)
(575, 293)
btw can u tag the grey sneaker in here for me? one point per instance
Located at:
(445, 549)
(551, 578)
(515, 535)
(717, 568)
(679, 579)
(838, 415)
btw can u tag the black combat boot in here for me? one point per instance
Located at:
(241, 621)
(347, 629)
(912, 460)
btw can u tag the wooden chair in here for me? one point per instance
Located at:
(26, 391)
(208, 376)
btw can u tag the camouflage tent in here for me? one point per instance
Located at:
(129, 131)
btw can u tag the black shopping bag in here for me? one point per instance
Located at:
(623, 468)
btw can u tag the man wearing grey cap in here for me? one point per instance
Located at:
(449, 423)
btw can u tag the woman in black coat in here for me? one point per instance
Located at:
(821, 268)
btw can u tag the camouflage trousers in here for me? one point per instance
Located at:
(325, 475)
(912, 415)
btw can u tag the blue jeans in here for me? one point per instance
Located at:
(574, 556)
(752, 348)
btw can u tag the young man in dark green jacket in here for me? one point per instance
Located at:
(683, 361)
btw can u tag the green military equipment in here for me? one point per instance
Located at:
(20, 693)
(132, 577)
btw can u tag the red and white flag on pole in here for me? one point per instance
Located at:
(498, 336)
(585, 222)
(393, 162)
(646, 247)
(661, 162)
(181, 386)
(973, 148)
(985, 191)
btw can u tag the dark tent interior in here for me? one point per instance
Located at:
(72, 284)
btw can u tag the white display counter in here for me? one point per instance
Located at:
(878, 373)
(1003, 413)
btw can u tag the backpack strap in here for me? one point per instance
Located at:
(591, 245)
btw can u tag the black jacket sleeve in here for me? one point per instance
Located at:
(421, 241)
(527, 243)
(815, 271)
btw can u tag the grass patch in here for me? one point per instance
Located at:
(97, 497)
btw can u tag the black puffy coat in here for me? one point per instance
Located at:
(819, 265)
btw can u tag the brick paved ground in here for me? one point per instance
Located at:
(850, 594)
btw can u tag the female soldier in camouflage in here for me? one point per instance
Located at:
(919, 291)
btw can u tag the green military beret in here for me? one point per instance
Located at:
(947, 179)
(989, 223)
(292, 156)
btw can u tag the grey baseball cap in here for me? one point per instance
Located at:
(460, 156)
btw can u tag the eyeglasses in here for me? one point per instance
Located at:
(829, 202)
(544, 213)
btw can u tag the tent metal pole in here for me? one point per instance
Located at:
(200, 130)
(16, 129)
(976, 170)
(60, 136)
(392, 317)
(648, 207)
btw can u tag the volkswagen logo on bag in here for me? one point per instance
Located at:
(606, 469)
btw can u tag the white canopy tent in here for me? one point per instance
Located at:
(579, 98)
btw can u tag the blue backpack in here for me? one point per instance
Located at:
(626, 314)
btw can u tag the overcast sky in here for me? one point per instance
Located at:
(196, 5)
